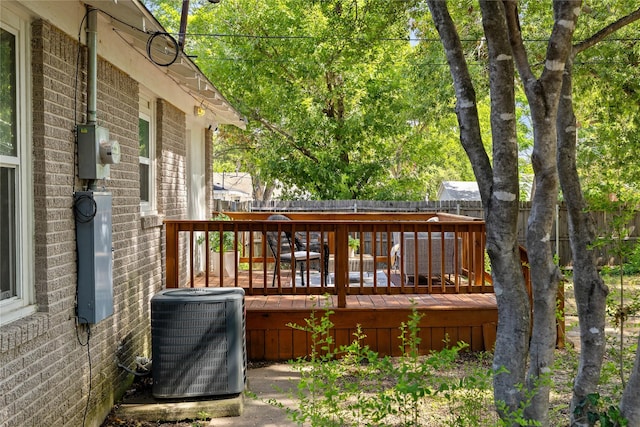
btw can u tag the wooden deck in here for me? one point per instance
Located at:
(458, 305)
(447, 317)
(471, 318)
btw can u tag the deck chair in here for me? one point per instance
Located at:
(287, 249)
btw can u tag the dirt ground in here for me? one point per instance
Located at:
(264, 381)
(277, 381)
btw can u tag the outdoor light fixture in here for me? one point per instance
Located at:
(199, 111)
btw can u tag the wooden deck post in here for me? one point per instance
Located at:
(342, 264)
(171, 238)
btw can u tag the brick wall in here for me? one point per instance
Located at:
(171, 173)
(172, 154)
(45, 373)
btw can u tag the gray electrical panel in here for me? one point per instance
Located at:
(95, 257)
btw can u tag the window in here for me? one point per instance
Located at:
(16, 247)
(146, 139)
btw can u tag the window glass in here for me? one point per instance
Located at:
(8, 144)
(144, 141)
(146, 152)
(143, 138)
(17, 292)
(8, 148)
(144, 182)
(7, 233)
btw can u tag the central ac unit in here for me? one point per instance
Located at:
(198, 342)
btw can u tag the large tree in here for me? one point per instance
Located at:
(325, 81)
(589, 289)
(515, 341)
(296, 69)
(339, 103)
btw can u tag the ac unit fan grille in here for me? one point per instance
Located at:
(198, 346)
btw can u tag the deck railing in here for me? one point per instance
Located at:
(399, 253)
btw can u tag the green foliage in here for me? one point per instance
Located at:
(203, 415)
(323, 94)
(620, 313)
(317, 388)
(353, 386)
(601, 410)
(354, 243)
(228, 237)
(628, 268)
(621, 349)
(338, 104)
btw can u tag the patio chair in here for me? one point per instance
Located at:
(288, 249)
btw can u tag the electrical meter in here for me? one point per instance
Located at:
(96, 152)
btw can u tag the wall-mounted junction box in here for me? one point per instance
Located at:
(96, 152)
(95, 256)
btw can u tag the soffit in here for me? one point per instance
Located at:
(134, 23)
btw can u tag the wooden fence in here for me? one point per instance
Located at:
(559, 237)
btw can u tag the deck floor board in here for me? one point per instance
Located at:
(271, 310)
(374, 302)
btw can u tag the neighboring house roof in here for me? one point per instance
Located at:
(232, 186)
(458, 190)
(135, 24)
(527, 184)
(468, 190)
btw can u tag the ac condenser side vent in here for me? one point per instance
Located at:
(198, 342)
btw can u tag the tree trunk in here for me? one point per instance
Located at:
(630, 404)
(545, 275)
(499, 191)
(498, 196)
(543, 95)
(545, 278)
(589, 289)
(512, 341)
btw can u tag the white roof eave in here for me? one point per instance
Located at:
(133, 23)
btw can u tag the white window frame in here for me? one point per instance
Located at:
(23, 304)
(147, 112)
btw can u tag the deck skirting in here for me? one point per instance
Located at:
(471, 318)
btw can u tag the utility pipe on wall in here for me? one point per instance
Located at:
(183, 23)
(92, 66)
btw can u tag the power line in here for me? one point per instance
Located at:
(307, 37)
(404, 39)
(430, 64)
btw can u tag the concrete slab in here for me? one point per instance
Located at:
(250, 409)
(144, 407)
(274, 382)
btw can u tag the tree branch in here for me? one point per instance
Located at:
(466, 106)
(558, 50)
(517, 46)
(606, 31)
(288, 137)
(502, 86)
